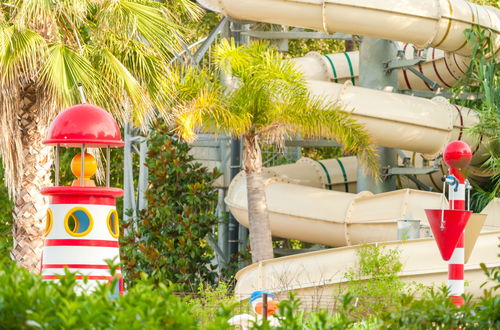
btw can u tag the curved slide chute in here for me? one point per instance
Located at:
(317, 276)
(424, 23)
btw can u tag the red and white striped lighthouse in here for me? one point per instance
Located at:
(82, 223)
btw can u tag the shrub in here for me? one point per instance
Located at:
(167, 240)
(374, 281)
(28, 302)
(206, 302)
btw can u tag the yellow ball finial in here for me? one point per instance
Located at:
(89, 168)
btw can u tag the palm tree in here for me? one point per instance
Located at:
(264, 99)
(118, 50)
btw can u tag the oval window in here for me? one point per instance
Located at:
(113, 225)
(78, 222)
(49, 221)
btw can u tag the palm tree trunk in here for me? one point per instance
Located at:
(30, 205)
(261, 244)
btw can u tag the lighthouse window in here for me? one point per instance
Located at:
(49, 221)
(78, 222)
(113, 224)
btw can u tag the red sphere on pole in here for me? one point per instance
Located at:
(457, 154)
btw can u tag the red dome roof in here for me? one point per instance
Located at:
(84, 123)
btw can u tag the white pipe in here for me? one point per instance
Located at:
(443, 68)
(424, 23)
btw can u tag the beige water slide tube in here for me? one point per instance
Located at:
(330, 217)
(340, 174)
(317, 276)
(441, 67)
(424, 23)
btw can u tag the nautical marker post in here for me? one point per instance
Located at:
(448, 225)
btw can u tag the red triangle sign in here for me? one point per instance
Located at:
(454, 224)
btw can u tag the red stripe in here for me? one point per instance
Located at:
(81, 242)
(436, 70)
(79, 277)
(478, 145)
(461, 121)
(456, 271)
(81, 266)
(457, 300)
(446, 64)
(460, 242)
(90, 200)
(457, 204)
(83, 195)
(422, 72)
(405, 75)
(458, 66)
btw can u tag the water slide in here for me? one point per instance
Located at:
(299, 206)
(441, 67)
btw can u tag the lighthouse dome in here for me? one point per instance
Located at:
(84, 124)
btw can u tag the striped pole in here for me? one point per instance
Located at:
(456, 262)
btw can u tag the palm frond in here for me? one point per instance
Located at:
(149, 68)
(34, 14)
(122, 84)
(20, 53)
(139, 21)
(199, 105)
(64, 69)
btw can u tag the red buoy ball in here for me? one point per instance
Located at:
(457, 154)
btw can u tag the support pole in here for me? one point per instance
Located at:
(57, 164)
(457, 260)
(82, 166)
(142, 184)
(237, 233)
(128, 176)
(373, 54)
(233, 224)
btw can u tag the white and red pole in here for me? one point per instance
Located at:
(457, 156)
(456, 262)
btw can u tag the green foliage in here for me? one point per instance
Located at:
(374, 280)
(292, 318)
(205, 305)
(167, 240)
(27, 302)
(483, 78)
(5, 218)
(436, 311)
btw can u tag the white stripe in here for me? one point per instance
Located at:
(93, 272)
(457, 257)
(87, 255)
(459, 195)
(456, 287)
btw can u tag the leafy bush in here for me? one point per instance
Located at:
(374, 281)
(167, 240)
(206, 302)
(27, 302)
